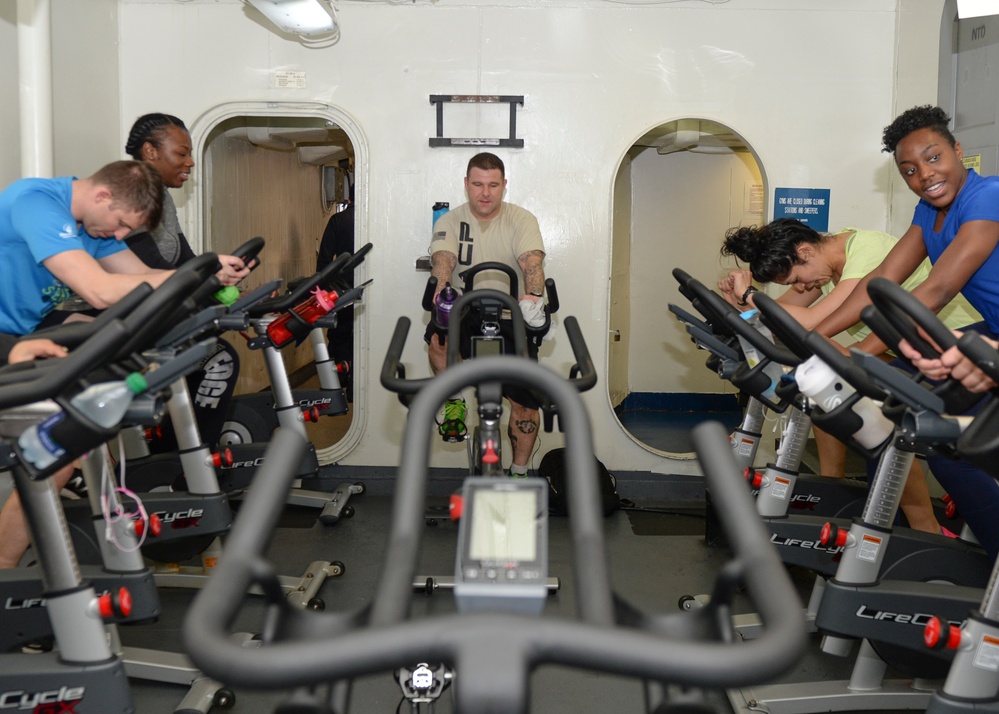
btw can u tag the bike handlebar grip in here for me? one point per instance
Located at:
(468, 276)
(254, 296)
(508, 301)
(981, 353)
(301, 289)
(155, 315)
(87, 357)
(587, 377)
(682, 277)
(331, 273)
(906, 313)
(754, 337)
(709, 304)
(200, 297)
(357, 257)
(788, 330)
(390, 365)
(763, 570)
(428, 295)
(552, 294)
(249, 250)
(393, 375)
(908, 316)
(882, 327)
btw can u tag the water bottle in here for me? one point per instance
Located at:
(104, 404)
(817, 381)
(440, 208)
(297, 322)
(773, 370)
(445, 300)
(227, 295)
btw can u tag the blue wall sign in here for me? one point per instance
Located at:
(808, 205)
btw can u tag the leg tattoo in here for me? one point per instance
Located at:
(526, 426)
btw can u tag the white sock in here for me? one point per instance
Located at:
(515, 469)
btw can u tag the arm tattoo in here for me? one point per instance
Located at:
(442, 264)
(532, 265)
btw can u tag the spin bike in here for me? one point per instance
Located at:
(82, 674)
(185, 523)
(972, 683)
(803, 493)
(498, 636)
(487, 308)
(867, 600)
(236, 461)
(484, 444)
(254, 417)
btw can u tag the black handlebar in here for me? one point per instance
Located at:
(475, 297)
(357, 257)
(51, 382)
(301, 289)
(907, 315)
(468, 276)
(393, 374)
(156, 315)
(494, 653)
(249, 251)
(782, 324)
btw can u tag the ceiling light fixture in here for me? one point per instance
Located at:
(307, 18)
(976, 8)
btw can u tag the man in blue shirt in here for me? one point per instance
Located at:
(62, 235)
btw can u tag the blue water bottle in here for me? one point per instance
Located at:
(440, 208)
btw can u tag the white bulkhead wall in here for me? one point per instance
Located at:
(808, 83)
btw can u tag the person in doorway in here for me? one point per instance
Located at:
(956, 225)
(338, 238)
(487, 229)
(163, 142)
(822, 270)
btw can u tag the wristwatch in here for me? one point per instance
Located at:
(744, 300)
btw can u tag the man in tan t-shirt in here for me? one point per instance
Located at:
(485, 229)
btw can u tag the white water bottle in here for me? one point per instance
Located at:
(104, 404)
(820, 383)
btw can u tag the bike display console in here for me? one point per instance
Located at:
(502, 559)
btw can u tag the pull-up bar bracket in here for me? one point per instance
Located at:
(441, 99)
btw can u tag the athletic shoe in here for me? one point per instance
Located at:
(76, 487)
(453, 429)
(38, 646)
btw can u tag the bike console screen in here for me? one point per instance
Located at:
(502, 561)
